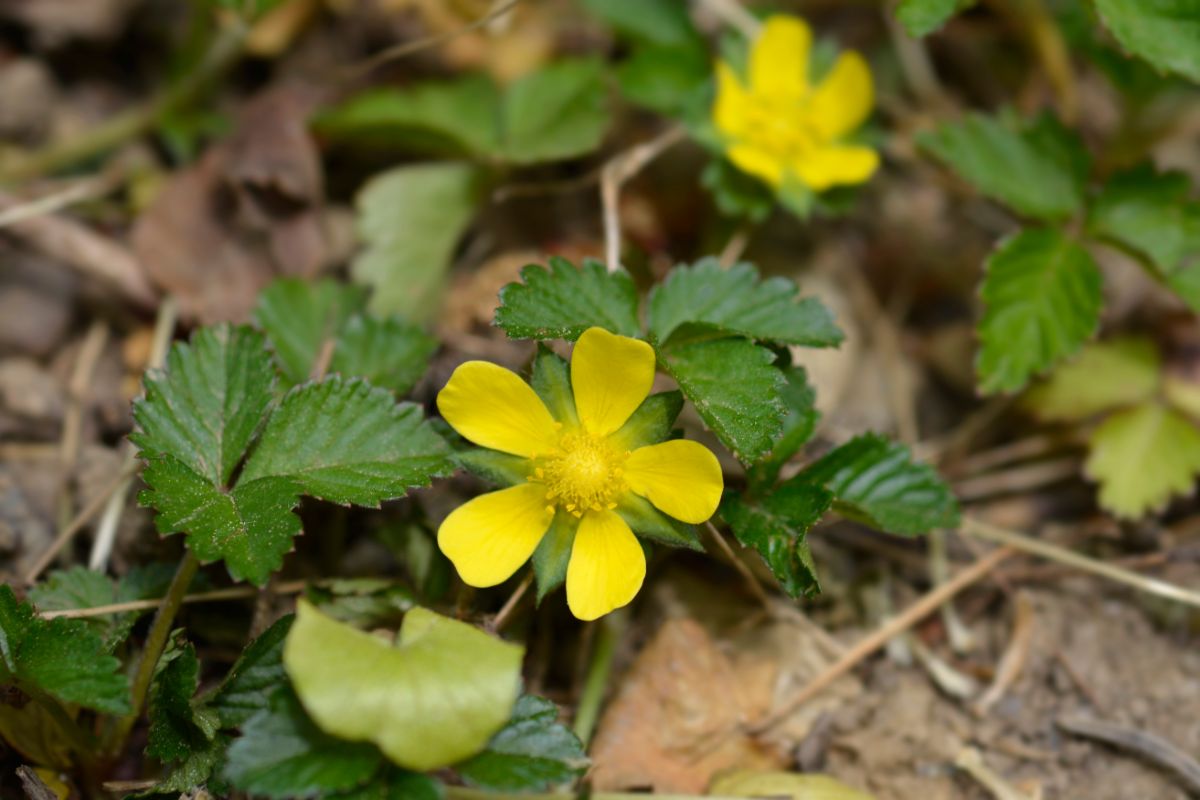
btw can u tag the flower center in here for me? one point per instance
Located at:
(782, 127)
(584, 475)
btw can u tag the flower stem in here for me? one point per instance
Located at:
(595, 684)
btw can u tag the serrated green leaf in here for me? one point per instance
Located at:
(365, 603)
(1036, 167)
(735, 388)
(649, 523)
(1042, 297)
(1141, 457)
(551, 379)
(178, 727)
(562, 302)
(256, 673)
(923, 17)
(299, 316)
(281, 753)
(798, 426)
(876, 482)
(410, 219)
(1104, 376)
(393, 783)
(735, 301)
(194, 772)
(777, 530)
(532, 753)
(553, 553)
(433, 699)
(666, 79)
(1164, 32)
(651, 423)
(62, 657)
(204, 409)
(347, 442)
(664, 22)
(557, 112)
(79, 587)
(386, 352)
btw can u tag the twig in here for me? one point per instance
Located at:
(884, 633)
(1151, 747)
(974, 527)
(734, 15)
(736, 245)
(960, 636)
(1015, 655)
(595, 686)
(914, 62)
(752, 582)
(214, 595)
(76, 192)
(619, 169)
(505, 613)
(77, 385)
(971, 762)
(1022, 478)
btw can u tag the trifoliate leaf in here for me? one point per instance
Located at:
(432, 699)
(347, 442)
(1143, 456)
(734, 301)
(1164, 32)
(63, 658)
(783, 786)
(532, 753)
(300, 316)
(777, 529)
(1042, 297)
(205, 408)
(1105, 375)
(256, 673)
(553, 553)
(876, 482)
(923, 17)
(735, 388)
(1037, 167)
(802, 415)
(281, 753)
(562, 302)
(410, 219)
(386, 352)
(79, 587)
(178, 727)
(557, 112)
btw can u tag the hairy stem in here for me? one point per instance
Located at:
(599, 668)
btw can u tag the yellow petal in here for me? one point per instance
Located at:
(607, 566)
(836, 166)
(757, 162)
(680, 477)
(492, 407)
(844, 98)
(779, 58)
(733, 107)
(611, 376)
(490, 537)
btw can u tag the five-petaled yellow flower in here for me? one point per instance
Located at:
(588, 468)
(783, 129)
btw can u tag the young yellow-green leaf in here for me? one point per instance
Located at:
(1164, 32)
(1182, 394)
(62, 657)
(1042, 297)
(410, 219)
(299, 316)
(1105, 375)
(923, 17)
(204, 409)
(876, 482)
(1037, 167)
(562, 302)
(532, 753)
(1141, 457)
(783, 786)
(347, 442)
(178, 726)
(734, 301)
(432, 699)
(559, 111)
(282, 754)
(386, 352)
(736, 389)
(256, 673)
(777, 529)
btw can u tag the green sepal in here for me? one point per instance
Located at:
(648, 522)
(502, 469)
(553, 553)
(651, 423)
(551, 380)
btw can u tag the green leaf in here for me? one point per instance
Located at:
(777, 529)
(562, 302)
(281, 753)
(923, 17)
(347, 442)
(388, 353)
(300, 316)
(205, 408)
(80, 587)
(410, 219)
(735, 388)
(1164, 32)
(798, 426)
(737, 194)
(433, 699)
(1104, 376)
(393, 783)
(1143, 456)
(734, 301)
(366, 603)
(1042, 297)
(532, 753)
(553, 553)
(557, 112)
(258, 670)
(783, 786)
(178, 727)
(876, 482)
(62, 657)
(666, 79)
(194, 772)
(664, 22)
(1036, 167)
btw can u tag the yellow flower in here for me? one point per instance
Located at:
(781, 128)
(587, 467)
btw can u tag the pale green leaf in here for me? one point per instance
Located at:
(777, 527)
(1141, 457)
(532, 753)
(1042, 297)
(432, 699)
(562, 302)
(1164, 32)
(557, 112)
(299, 317)
(783, 786)
(923, 17)
(1104, 376)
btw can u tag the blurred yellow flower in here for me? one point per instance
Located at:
(782, 128)
(586, 466)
